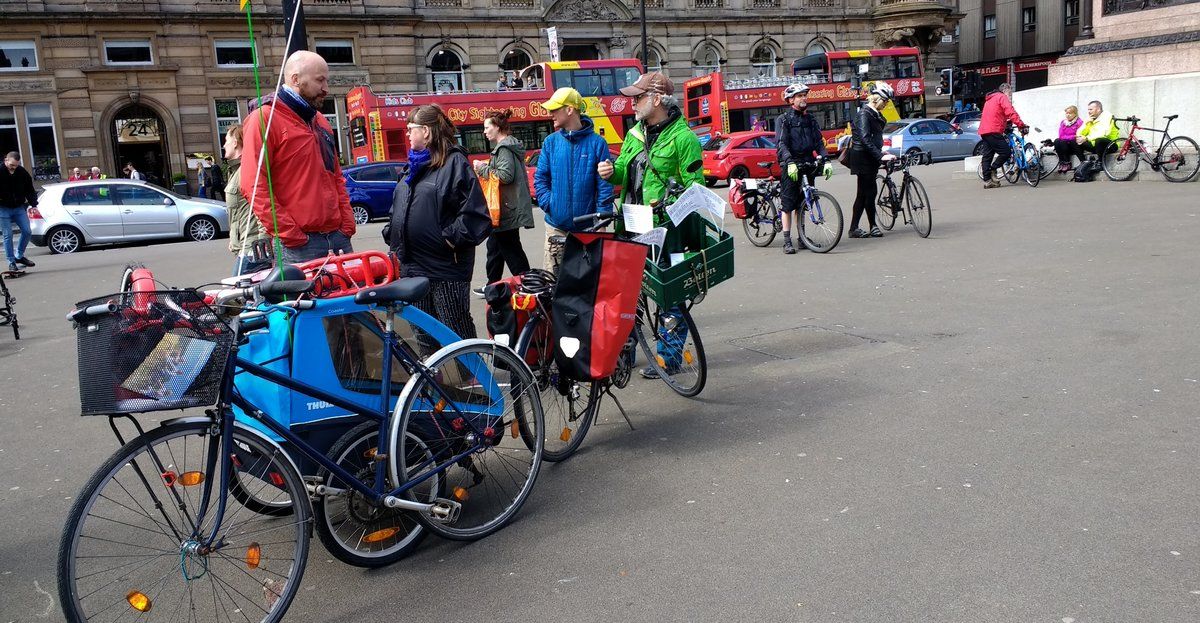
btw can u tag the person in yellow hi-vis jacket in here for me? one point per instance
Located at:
(1099, 131)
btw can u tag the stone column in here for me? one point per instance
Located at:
(1085, 20)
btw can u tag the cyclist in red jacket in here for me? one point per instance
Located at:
(998, 112)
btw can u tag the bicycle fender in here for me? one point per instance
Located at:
(192, 419)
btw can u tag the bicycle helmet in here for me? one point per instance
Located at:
(794, 90)
(882, 89)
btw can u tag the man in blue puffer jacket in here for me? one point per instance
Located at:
(566, 182)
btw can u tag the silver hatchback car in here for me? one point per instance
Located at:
(71, 215)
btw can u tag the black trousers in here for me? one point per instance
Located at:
(1067, 150)
(450, 303)
(1098, 149)
(504, 247)
(864, 201)
(995, 145)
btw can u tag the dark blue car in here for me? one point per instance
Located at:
(371, 187)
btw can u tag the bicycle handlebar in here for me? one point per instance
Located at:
(599, 220)
(1130, 119)
(94, 310)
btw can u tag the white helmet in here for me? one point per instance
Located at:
(794, 90)
(882, 89)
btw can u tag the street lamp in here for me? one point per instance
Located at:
(645, 44)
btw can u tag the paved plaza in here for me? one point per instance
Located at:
(997, 423)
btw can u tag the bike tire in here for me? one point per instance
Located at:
(760, 228)
(1121, 168)
(916, 201)
(353, 529)
(1182, 152)
(1032, 171)
(1049, 163)
(884, 215)
(495, 393)
(1011, 173)
(822, 234)
(109, 497)
(568, 406)
(690, 374)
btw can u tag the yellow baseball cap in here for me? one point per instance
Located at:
(565, 96)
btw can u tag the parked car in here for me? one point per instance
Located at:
(71, 215)
(371, 187)
(738, 155)
(935, 136)
(966, 115)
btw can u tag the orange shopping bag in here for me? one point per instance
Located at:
(491, 195)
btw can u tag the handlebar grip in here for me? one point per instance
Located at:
(253, 324)
(92, 310)
(285, 288)
(579, 220)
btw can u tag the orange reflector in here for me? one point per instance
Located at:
(688, 358)
(381, 535)
(566, 434)
(253, 556)
(662, 363)
(191, 479)
(440, 406)
(461, 494)
(139, 601)
(370, 453)
(514, 429)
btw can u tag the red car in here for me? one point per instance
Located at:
(738, 155)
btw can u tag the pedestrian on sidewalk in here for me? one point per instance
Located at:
(16, 192)
(516, 205)
(245, 230)
(866, 152)
(438, 218)
(214, 179)
(566, 182)
(997, 113)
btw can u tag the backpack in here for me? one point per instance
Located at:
(1087, 171)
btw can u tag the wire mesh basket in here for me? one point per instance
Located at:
(157, 351)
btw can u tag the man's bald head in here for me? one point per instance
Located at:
(308, 74)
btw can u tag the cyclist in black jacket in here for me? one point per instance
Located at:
(798, 141)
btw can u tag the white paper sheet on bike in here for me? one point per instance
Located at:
(639, 219)
(698, 198)
(167, 372)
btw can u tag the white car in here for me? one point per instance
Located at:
(71, 215)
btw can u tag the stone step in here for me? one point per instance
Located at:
(1144, 174)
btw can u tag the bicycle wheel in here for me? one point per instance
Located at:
(916, 201)
(478, 415)
(1118, 167)
(883, 205)
(672, 345)
(1032, 170)
(1049, 162)
(353, 528)
(821, 222)
(1179, 159)
(760, 228)
(130, 543)
(569, 406)
(1011, 172)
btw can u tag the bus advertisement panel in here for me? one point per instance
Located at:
(378, 122)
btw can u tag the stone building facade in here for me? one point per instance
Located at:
(87, 82)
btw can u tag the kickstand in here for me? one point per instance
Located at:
(608, 390)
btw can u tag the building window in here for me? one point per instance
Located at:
(336, 51)
(1072, 10)
(763, 61)
(654, 61)
(42, 142)
(706, 61)
(989, 26)
(8, 130)
(234, 53)
(816, 46)
(130, 52)
(18, 56)
(1029, 19)
(446, 71)
(228, 115)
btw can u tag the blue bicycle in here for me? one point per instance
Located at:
(208, 516)
(1025, 162)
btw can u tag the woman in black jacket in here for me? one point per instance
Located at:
(438, 218)
(866, 152)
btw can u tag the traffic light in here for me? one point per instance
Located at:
(960, 81)
(944, 87)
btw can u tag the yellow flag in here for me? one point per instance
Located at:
(243, 4)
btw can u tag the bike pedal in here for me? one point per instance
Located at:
(445, 511)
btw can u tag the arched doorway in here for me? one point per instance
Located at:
(140, 136)
(581, 51)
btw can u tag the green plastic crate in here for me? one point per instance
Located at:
(689, 279)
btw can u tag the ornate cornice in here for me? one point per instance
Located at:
(1133, 44)
(587, 11)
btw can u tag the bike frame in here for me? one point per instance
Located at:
(1144, 153)
(376, 493)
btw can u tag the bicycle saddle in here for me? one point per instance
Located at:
(1171, 117)
(407, 290)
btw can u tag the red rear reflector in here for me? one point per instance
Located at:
(276, 479)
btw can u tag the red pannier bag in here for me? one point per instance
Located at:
(742, 200)
(595, 303)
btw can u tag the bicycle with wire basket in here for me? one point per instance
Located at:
(909, 198)
(819, 218)
(1177, 157)
(208, 518)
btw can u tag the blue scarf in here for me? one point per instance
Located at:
(417, 161)
(303, 109)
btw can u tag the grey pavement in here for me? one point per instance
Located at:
(997, 423)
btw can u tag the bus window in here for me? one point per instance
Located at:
(880, 68)
(596, 82)
(844, 68)
(473, 140)
(358, 132)
(623, 77)
(907, 67)
(811, 65)
(532, 134)
(397, 143)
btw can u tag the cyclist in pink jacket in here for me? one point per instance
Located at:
(998, 112)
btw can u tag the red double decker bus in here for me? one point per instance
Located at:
(714, 105)
(378, 121)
